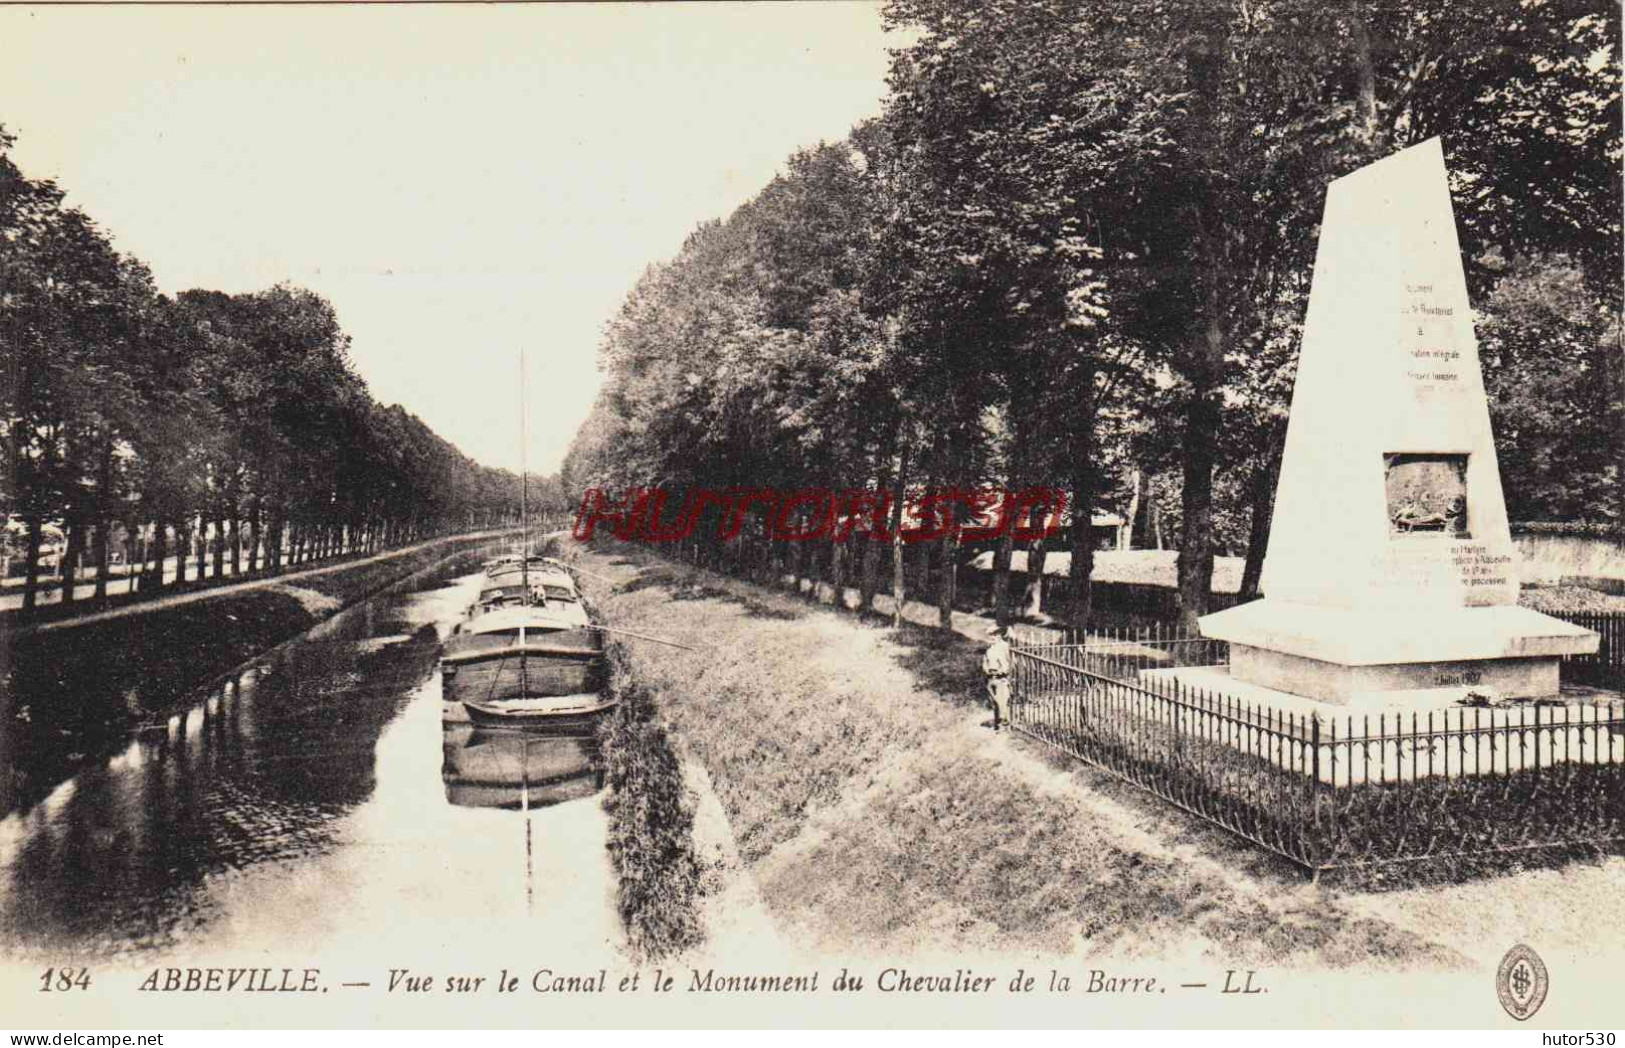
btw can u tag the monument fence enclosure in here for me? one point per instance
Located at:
(1332, 790)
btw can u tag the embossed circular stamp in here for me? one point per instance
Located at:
(1521, 982)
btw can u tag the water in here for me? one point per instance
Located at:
(323, 799)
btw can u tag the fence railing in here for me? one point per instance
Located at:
(1125, 653)
(1606, 667)
(1335, 791)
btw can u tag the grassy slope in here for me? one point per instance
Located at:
(875, 811)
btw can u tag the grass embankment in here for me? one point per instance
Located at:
(72, 691)
(651, 840)
(875, 812)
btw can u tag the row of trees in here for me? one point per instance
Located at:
(239, 417)
(1078, 240)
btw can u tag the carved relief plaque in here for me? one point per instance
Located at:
(1427, 494)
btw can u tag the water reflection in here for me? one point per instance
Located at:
(255, 772)
(515, 768)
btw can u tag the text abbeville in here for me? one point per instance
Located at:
(229, 980)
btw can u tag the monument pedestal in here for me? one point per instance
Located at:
(1374, 657)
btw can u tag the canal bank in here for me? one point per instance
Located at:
(73, 691)
(875, 813)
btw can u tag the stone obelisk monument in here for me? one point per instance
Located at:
(1391, 577)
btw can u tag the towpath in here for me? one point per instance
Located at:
(288, 579)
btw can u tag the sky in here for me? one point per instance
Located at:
(460, 182)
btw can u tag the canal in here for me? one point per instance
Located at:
(322, 800)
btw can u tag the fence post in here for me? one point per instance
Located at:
(1314, 795)
(1537, 738)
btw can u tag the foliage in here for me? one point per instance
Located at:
(241, 412)
(1552, 367)
(1079, 239)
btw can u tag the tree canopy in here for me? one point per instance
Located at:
(241, 412)
(1077, 244)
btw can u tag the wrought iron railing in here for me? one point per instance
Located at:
(1606, 666)
(1329, 791)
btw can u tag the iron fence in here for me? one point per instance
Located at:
(1328, 792)
(1123, 653)
(1606, 667)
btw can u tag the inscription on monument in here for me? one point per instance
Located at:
(1477, 565)
(1431, 364)
(1427, 493)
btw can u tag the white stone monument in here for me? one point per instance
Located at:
(1391, 577)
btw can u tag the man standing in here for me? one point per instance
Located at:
(996, 665)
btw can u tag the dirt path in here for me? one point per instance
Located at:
(285, 582)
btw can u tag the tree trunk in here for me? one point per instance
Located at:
(1262, 497)
(1196, 503)
(1204, 364)
(236, 540)
(1136, 529)
(1002, 556)
(838, 554)
(795, 558)
(275, 553)
(183, 547)
(948, 550)
(70, 558)
(899, 491)
(868, 572)
(1085, 479)
(1369, 128)
(1619, 445)
(1032, 600)
(135, 556)
(102, 565)
(254, 538)
(160, 548)
(102, 506)
(202, 548)
(219, 545)
(36, 539)
(1080, 579)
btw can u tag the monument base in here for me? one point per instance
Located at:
(1218, 680)
(1374, 658)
